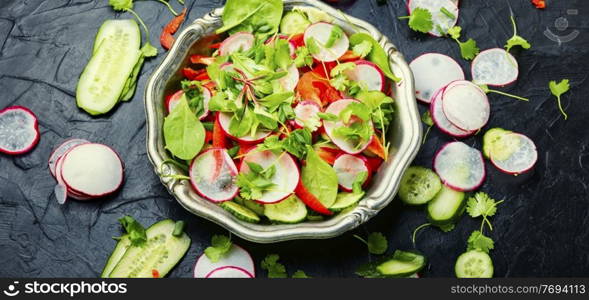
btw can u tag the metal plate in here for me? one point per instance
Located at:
(405, 137)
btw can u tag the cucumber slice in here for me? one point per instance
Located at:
(111, 28)
(402, 264)
(240, 212)
(474, 264)
(252, 205)
(419, 185)
(446, 207)
(291, 210)
(490, 140)
(102, 81)
(345, 201)
(294, 22)
(120, 249)
(159, 254)
(131, 84)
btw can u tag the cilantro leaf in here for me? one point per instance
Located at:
(516, 40)
(558, 89)
(220, 245)
(454, 32)
(121, 5)
(300, 274)
(362, 49)
(376, 242)
(312, 46)
(340, 82)
(481, 205)
(420, 20)
(274, 268)
(468, 49)
(254, 183)
(134, 229)
(328, 117)
(335, 35)
(303, 57)
(479, 241)
(297, 141)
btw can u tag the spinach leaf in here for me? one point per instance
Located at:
(377, 55)
(263, 16)
(319, 178)
(183, 132)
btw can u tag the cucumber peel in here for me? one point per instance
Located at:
(240, 212)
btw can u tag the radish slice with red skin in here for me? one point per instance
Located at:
(175, 99)
(289, 81)
(346, 146)
(92, 169)
(237, 42)
(285, 179)
(229, 272)
(433, 71)
(236, 257)
(522, 158)
(367, 74)
(306, 115)
(291, 45)
(19, 130)
(494, 67)
(225, 122)
(61, 150)
(460, 167)
(320, 32)
(466, 105)
(212, 175)
(347, 167)
(439, 19)
(439, 118)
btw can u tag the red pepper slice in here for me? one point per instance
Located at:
(219, 139)
(310, 200)
(298, 40)
(192, 74)
(201, 59)
(540, 4)
(155, 273)
(375, 147)
(166, 38)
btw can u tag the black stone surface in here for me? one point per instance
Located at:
(542, 229)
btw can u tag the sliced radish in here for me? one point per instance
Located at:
(466, 105)
(517, 154)
(61, 150)
(236, 257)
(433, 71)
(225, 122)
(229, 272)
(285, 178)
(320, 32)
(290, 81)
(291, 45)
(368, 75)
(440, 20)
(19, 130)
(440, 119)
(460, 166)
(347, 167)
(306, 115)
(212, 175)
(92, 169)
(346, 145)
(238, 42)
(494, 67)
(175, 99)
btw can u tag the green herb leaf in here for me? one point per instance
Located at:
(252, 16)
(220, 245)
(300, 274)
(516, 40)
(481, 205)
(254, 183)
(319, 178)
(184, 134)
(469, 49)
(134, 229)
(377, 54)
(426, 118)
(274, 268)
(303, 57)
(297, 141)
(121, 5)
(328, 117)
(312, 46)
(359, 181)
(447, 13)
(377, 243)
(479, 241)
(148, 50)
(420, 20)
(336, 34)
(558, 89)
(362, 49)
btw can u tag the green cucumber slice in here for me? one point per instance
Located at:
(402, 264)
(131, 84)
(446, 207)
(252, 205)
(419, 185)
(490, 140)
(111, 28)
(474, 264)
(104, 78)
(116, 255)
(240, 212)
(291, 210)
(345, 201)
(294, 22)
(159, 254)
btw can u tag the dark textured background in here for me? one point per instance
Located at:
(542, 229)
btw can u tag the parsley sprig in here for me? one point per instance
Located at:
(278, 270)
(220, 245)
(557, 89)
(376, 242)
(516, 40)
(482, 205)
(468, 49)
(420, 20)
